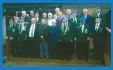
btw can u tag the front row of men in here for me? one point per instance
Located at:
(57, 41)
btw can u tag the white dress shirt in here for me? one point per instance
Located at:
(82, 28)
(32, 30)
(97, 26)
(23, 27)
(75, 19)
(50, 22)
(98, 14)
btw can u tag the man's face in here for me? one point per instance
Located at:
(23, 14)
(98, 20)
(65, 20)
(69, 12)
(74, 14)
(60, 14)
(85, 12)
(33, 20)
(21, 20)
(36, 15)
(11, 22)
(49, 16)
(57, 11)
(44, 15)
(97, 11)
(43, 21)
(15, 18)
(32, 13)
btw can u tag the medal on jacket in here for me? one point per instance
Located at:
(13, 30)
(86, 31)
(100, 30)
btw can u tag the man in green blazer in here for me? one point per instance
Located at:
(82, 37)
(11, 35)
(66, 39)
(22, 37)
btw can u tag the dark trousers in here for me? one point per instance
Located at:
(13, 47)
(60, 50)
(68, 50)
(98, 50)
(65, 49)
(52, 49)
(33, 48)
(82, 49)
(23, 48)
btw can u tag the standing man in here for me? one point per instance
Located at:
(31, 14)
(12, 37)
(66, 39)
(33, 47)
(37, 18)
(88, 18)
(50, 15)
(53, 37)
(22, 29)
(44, 16)
(57, 11)
(68, 15)
(25, 16)
(99, 14)
(43, 33)
(98, 39)
(82, 37)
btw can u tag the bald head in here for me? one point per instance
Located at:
(69, 11)
(31, 13)
(57, 10)
(44, 15)
(98, 20)
(50, 15)
(85, 11)
(33, 20)
(23, 13)
(98, 10)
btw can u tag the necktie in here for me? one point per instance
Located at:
(32, 31)
(76, 19)
(82, 28)
(96, 28)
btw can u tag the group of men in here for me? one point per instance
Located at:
(55, 36)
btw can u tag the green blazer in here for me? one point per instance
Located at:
(69, 35)
(23, 34)
(82, 36)
(12, 31)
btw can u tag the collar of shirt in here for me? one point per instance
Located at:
(98, 14)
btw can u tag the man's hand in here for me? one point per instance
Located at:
(6, 37)
(75, 39)
(71, 40)
(88, 38)
(11, 38)
(41, 37)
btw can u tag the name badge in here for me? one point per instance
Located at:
(86, 31)
(13, 30)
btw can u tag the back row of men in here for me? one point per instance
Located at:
(55, 37)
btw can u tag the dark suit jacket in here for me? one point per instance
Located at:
(102, 18)
(43, 30)
(35, 32)
(98, 35)
(82, 36)
(23, 34)
(69, 34)
(12, 31)
(89, 20)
